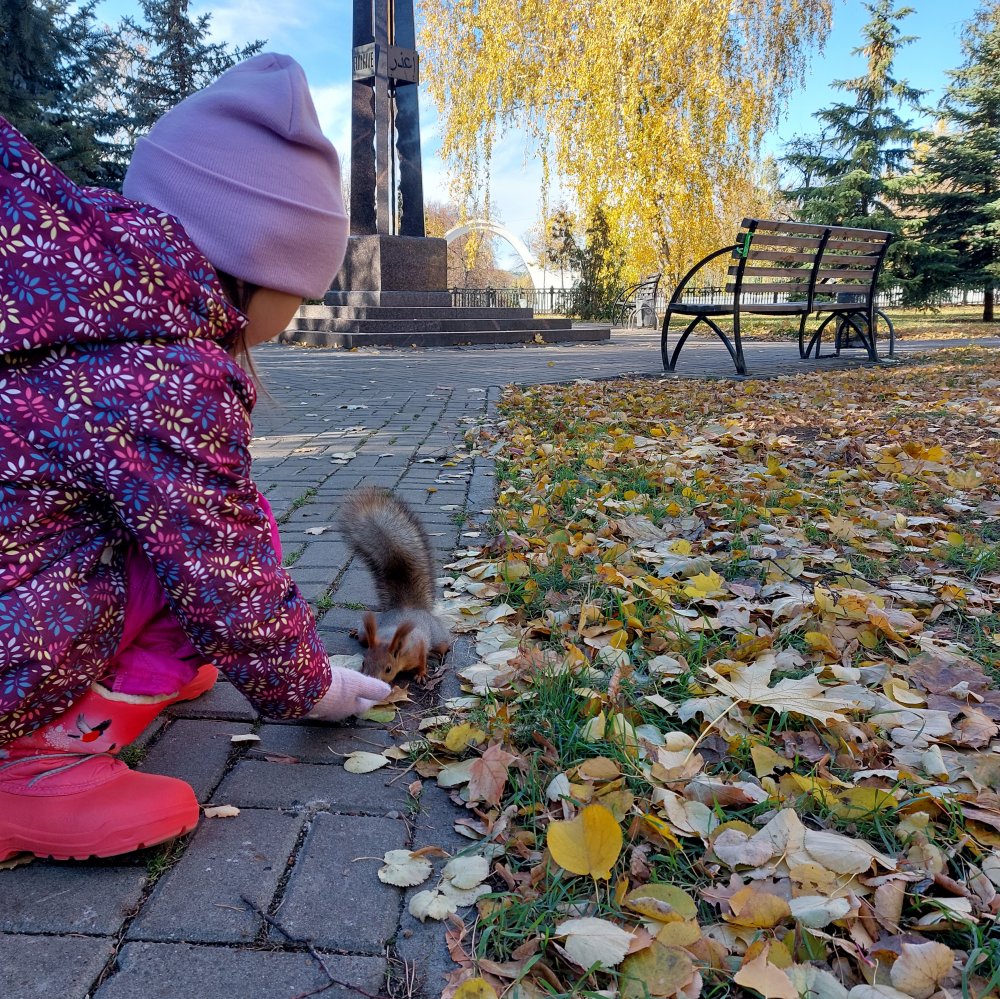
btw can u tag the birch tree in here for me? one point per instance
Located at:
(651, 110)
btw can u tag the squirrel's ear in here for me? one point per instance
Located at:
(371, 630)
(396, 645)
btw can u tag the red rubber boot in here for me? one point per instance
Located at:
(64, 795)
(202, 683)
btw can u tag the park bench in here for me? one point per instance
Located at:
(636, 304)
(791, 269)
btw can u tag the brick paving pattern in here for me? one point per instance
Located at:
(305, 848)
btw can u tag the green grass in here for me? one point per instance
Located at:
(132, 755)
(292, 557)
(299, 501)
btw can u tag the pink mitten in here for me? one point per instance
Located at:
(350, 693)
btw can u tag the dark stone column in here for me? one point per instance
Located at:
(411, 184)
(362, 134)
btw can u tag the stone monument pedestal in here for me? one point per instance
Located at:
(392, 292)
(401, 271)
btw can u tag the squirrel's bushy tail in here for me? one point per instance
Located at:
(386, 534)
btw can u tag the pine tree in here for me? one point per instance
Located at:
(960, 173)
(48, 54)
(850, 171)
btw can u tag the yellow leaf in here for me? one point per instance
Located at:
(589, 844)
(968, 479)
(459, 737)
(766, 978)
(821, 643)
(656, 970)
(705, 585)
(680, 547)
(662, 902)
(475, 988)
(859, 802)
(681, 933)
(766, 760)
(663, 829)
(756, 908)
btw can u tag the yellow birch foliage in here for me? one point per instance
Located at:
(653, 109)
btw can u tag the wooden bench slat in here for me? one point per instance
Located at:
(861, 245)
(865, 246)
(811, 228)
(790, 287)
(804, 256)
(752, 270)
(848, 258)
(826, 273)
(797, 242)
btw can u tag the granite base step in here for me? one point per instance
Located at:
(311, 313)
(374, 327)
(402, 338)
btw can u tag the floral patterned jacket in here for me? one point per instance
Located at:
(124, 420)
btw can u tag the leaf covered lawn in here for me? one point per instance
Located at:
(734, 726)
(950, 322)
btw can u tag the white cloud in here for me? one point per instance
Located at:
(236, 23)
(333, 107)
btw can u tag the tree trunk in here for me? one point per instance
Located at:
(988, 305)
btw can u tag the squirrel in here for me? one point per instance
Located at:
(389, 538)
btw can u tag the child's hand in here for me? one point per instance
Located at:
(349, 693)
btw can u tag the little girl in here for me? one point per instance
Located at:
(134, 545)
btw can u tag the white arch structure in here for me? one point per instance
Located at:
(540, 276)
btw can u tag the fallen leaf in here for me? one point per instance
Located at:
(475, 988)
(430, 904)
(816, 911)
(807, 696)
(488, 774)
(360, 762)
(758, 909)
(591, 941)
(221, 811)
(920, 968)
(767, 979)
(656, 971)
(589, 844)
(404, 869)
(466, 872)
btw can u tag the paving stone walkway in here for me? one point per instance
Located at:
(305, 847)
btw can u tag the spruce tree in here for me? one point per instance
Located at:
(48, 53)
(177, 59)
(960, 172)
(849, 173)
(600, 262)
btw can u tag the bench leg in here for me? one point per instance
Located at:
(670, 360)
(879, 314)
(665, 344)
(737, 354)
(872, 348)
(815, 340)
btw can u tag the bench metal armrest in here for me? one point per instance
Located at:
(679, 290)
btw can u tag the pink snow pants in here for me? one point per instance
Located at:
(155, 656)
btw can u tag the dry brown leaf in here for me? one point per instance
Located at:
(920, 968)
(488, 774)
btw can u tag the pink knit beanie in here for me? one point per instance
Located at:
(245, 167)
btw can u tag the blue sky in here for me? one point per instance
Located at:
(317, 33)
